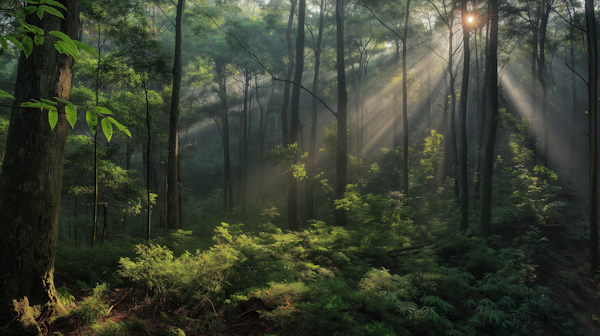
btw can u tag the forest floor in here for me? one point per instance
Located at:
(573, 290)
(577, 295)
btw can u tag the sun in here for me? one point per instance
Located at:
(470, 19)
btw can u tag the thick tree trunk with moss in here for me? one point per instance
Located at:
(31, 181)
(172, 193)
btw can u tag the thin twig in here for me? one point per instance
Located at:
(569, 22)
(575, 72)
(255, 59)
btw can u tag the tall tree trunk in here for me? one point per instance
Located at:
(542, 77)
(464, 94)
(288, 76)
(220, 70)
(405, 98)
(293, 223)
(172, 193)
(592, 46)
(341, 160)
(31, 181)
(491, 77)
(311, 167)
(453, 144)
(573, 106)
(148, 157)
(534, 79)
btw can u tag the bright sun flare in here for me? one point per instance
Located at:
(470, 19)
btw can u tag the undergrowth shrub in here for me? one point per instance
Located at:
(326, 280)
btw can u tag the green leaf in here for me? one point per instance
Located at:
(66, 102)
(107, 129)
(3, 43)
(4, 94)
(27, 45)
(35, 2)
(67, 49)
(15, 42)
(92, 120)
(102, 110)
(67, 44)
(119, 126)
(39, 40)
(49, 102)
(86, 48)
(40, 12)
(71, 112)
(27, 10)
(52, 11)
(53, 3)
(52, 117)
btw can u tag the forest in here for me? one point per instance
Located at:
(294, 167)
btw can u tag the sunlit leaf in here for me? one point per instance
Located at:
(102, 110)
(40, 12)
(68, 49)
(14, 41)
(53, 3)
(71, 112)
(53, 117)
(27, 10)
(107, 129)
(52, 11)
(5, 94)
(86, 48)
(47, 101)
(92, 120)
(27, 45)
(67, 44)
(119, 126)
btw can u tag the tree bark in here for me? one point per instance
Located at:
(172, 193)
(491, 77)
(31, 181)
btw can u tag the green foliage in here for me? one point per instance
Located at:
(320, 280)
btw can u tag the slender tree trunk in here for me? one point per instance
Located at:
(148, 157)
(464, 94)
(311, 167)
(172, 193)
(31, 181)
(453, 144)
(592, 46)
(542, 77)
(288, 76)
(491, 77)
(341, 161)
(104, 227)
(573, 107)
(405, 98)
(293, 223)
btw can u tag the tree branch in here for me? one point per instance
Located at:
(575, 72)
(255, 59)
